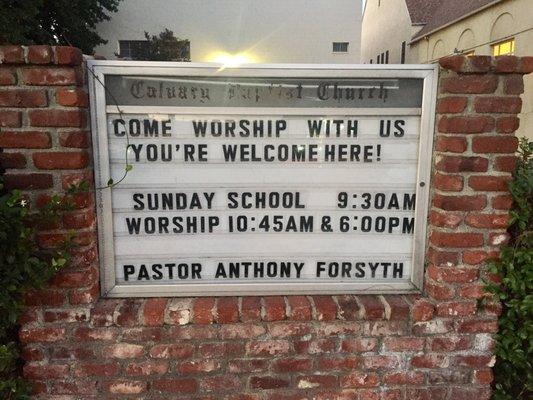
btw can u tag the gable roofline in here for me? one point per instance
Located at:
(421, 34)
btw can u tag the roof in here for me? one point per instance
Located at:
(437, 14)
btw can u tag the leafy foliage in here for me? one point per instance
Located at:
(56, 22)
(514, 342)
(23, 266)
(163, 47)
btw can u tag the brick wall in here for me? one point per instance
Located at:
(431, 346)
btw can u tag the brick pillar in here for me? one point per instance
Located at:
(433, 345)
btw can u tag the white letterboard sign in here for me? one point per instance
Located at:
(261, 179)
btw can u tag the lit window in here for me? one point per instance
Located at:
(340, 47)
(503, 48)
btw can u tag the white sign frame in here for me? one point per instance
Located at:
(100, 68)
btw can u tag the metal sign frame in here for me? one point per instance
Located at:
(99, 109)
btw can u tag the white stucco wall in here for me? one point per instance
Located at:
(386, 24)
(268, 31)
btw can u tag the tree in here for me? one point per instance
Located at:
(163, 47)
(55, 22)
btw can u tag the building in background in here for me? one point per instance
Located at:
(236, 31)
(422, 31)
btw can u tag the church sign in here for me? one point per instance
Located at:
(261, 179)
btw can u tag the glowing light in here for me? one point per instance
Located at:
(232, 60)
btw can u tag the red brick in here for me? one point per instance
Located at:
(399, 308)
(203, 310)
(466, 124)
(379, 362)
(176, 385)
(66, 55)
(227, 310)
(69, 180)
(127, 313)
(268, 347)
(23, 98)
(12, 160)
(498, 105)
(451, 105)
(154, 311)
(505, 163)
(506, 64)
(41, 335)
(403, 344)
(84, 334)
(326, 309)
(49, 76)
(251, 309)
(61, 160)
(268, 382)
(247, 365)
(456, 308)
(182, 350)
(29, 354)
(45, 371)
(439, 257)
(452, 63)
(494, 221)
(490, 183)
(477, 361)
(495, 144)
(57, 118)
(503, 202)
(358, 345)
(478, 257)
(289, 329)
(348, 307)
(448, 182)
(222, 349)
(404, 378)
(423, 310)
(469, 84)
(198, 366)
(299, 308)
(11, 55)
(39, 54)
(462, 164)
(478, 64)
(78, 220)
(474, 291)
(8, 76)
(478, 326)
(220, 383)
(432, 393)
(72, 97)
(513, 84)
(28, 181)
(373, 308)
(484, 377)
(446, 220)
(25, 140)
(526, 66)
(507, 124)
(344, 363)
(459, 203)
(123, 350)
(452, 274)
(430, 361)
(439, 292)
(451, 144)
(450, 343)
(12, 119)
(274, 308)
(360, 380)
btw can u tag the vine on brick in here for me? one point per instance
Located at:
(514, 341)
(23, 266)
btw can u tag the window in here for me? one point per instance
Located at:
(470, 53)
(371, 61)
(340, 47)
(378, 59)
(503, 48)
(382, 58)
(387, 57)
(131, 48)
(402, 57)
